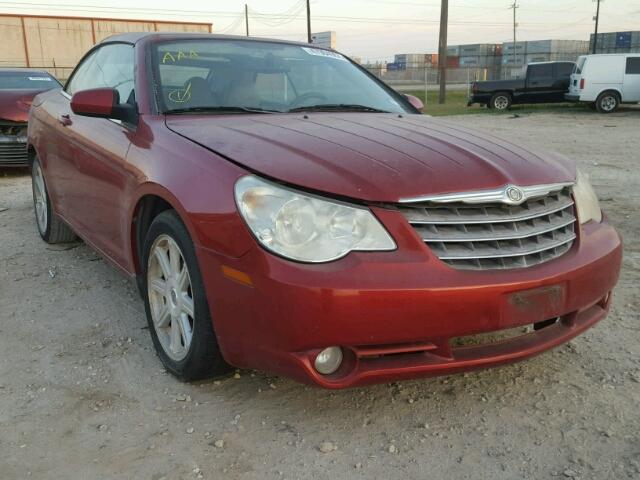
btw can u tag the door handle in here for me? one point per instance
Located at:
(65, 120)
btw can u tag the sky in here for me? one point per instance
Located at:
(373, 30)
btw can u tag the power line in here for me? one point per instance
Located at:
(282, 18)
(232, 26)
(270, 19)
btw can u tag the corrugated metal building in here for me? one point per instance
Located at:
(57, 43)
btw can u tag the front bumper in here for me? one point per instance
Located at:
(395, 314)
(13, 144)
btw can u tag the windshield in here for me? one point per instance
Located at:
(27, 81)
(251, 76)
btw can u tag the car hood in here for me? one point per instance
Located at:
(15, 104)
(371, 157)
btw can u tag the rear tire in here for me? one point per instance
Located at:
(500, 101)
(176, 303)
(607, 102)
(51, 228)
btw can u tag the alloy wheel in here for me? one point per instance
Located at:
(170, 297)
(39, 198)
(501, 102)
(608, 103)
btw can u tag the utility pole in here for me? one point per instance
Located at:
(442, 50)
(515, 6)
(309, 21)
(595, 36)
(246, 17)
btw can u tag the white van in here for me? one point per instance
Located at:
(605, 81)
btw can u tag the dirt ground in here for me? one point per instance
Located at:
(83, 395)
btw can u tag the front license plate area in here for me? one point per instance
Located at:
(534, 305)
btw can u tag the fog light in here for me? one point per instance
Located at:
(328, 360)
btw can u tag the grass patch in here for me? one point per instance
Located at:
(457, 105)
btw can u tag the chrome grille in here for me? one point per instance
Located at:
(13, 153)
(495, 235)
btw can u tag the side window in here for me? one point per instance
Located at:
(79, 78)
(633, 66)
(564, 69)
(109, 66)
(540, 72)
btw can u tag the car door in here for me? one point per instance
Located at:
(540, 82)
(631, 88)
(94, 154)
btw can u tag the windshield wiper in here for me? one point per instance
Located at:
(336, 107)
(219, 109)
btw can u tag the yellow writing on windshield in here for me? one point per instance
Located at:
(167, 56)
(170, 57)
(181, 95)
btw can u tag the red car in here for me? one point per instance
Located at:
(18, 86)
(284, 210)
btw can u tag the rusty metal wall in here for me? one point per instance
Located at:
(57, 43)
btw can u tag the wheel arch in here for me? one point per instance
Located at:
(613, 90)
(31, 154)
(151, 200)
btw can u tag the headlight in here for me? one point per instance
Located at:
(304, 227)
(586, 200)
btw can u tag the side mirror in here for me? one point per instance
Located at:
(415, 102)
(102, 103)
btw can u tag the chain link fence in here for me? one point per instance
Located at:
(461, 71)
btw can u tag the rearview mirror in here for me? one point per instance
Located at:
(102, 103)
(415, 102)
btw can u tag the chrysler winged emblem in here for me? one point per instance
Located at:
(515, 194)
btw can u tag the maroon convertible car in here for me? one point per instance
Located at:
(282, 209)
(18, 86)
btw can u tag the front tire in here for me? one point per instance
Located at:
(50, 227)
(500, 101)
(176, 303)
(607, 102)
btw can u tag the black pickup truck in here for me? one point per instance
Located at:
(545, 82)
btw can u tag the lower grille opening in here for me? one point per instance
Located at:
(377, 351)
(488, 338)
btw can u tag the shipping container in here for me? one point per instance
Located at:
(538, 46)
(537, 57)
(616, 42)
(453, 51)
(431, 59)
(453, 62)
